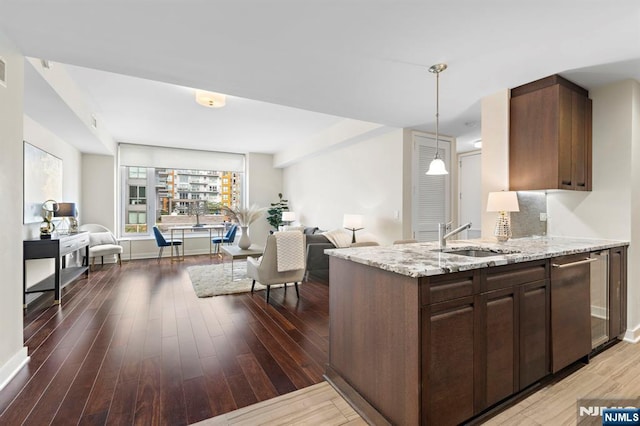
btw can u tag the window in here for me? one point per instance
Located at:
(164, 187)
(137, 172)
(166, 197)
(136, 222)
(137, 195)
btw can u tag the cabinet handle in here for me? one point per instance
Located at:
(579, 262)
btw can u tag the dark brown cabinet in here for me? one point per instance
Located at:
(449, 349)
(617, 292)
(534, 351)
(443, 349)
(515, 329)
(550, 136)
(570, 309)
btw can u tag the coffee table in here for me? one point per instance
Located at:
(236, 252)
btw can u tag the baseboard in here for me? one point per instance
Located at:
(598, 312)
(13, 366)
(632, 336)
(354, 399)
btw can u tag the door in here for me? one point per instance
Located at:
(470, 193)
(431, 194)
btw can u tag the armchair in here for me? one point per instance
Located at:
(265, 270)
(102, 243)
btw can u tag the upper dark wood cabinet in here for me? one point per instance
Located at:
(550, 136)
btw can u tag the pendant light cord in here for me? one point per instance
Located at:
(437, 114)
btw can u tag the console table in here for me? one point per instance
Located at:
(54, 248)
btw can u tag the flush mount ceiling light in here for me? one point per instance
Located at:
(210, 99)
(437, 166)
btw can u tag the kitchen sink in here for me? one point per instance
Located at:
(477, 252)
(473, 253)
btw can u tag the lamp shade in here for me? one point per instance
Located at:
(352, 221)
(288, 216)
(66, 210)
(503, 201)
(437, 167)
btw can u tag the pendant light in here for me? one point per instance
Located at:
(437, 166)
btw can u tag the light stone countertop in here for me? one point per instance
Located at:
(424, 259)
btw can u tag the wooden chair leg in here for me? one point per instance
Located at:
(285, 288)
(267, 296)
(297, 292)
(102, 260)
(253, 285)
(119, 259)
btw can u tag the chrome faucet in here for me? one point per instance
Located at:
(444, 227)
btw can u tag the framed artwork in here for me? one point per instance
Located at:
(42, 181)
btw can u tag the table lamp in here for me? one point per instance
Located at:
(503, 202)
(288, 217)
(352, 222)
(68, 212)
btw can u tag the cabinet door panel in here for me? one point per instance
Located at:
(501, 338)
(533, 140)
(617, 292)
(570, 311)
(565, 148)
(578, 141)
(534, 332)
(449, 345)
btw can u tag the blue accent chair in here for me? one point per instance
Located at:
(162, 242)
(228, 238)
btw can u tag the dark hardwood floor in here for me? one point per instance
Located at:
(134, 345)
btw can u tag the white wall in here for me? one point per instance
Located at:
(633, 292)
(99, 190)
(41, 137)
(495, 152)
(357, 178)
(38, 136)
(605, 212)
(12, 353)
(264, 182)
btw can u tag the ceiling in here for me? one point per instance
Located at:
(292, 68)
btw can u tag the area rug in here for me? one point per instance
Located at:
(216, 280)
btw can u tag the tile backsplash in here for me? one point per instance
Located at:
(526, 222)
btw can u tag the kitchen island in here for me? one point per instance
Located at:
(422, 336)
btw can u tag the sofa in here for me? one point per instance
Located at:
(317, 242)
(317, 261)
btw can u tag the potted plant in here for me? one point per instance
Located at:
(275, 212)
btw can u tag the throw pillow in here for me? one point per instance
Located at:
(101, 238)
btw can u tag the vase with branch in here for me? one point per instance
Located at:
(244, 216)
